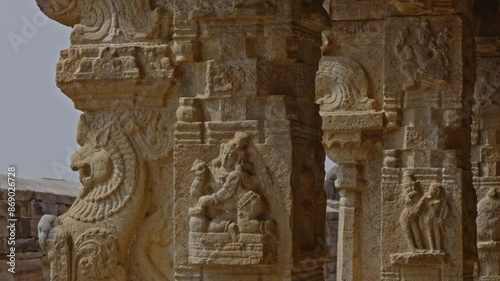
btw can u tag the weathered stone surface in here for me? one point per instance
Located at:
(127, 71)
(485, 160)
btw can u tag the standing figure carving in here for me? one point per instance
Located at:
(434, 215)
(409, 218)
(422, 218)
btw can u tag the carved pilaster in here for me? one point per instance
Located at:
(396, 81)
(119, 71)
(486, 165)
(427, 207)
(248, 158)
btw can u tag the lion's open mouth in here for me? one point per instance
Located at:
(85, 173)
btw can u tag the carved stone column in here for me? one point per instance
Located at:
(396, 81)
(118, 71)
(428, 211)
(248, 161)
(486, 139)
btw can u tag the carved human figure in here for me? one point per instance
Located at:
(433, 218)
(488, 217)
(409, 218)
(226, 190)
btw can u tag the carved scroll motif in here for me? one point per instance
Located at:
(109, 21)
(341, 84)
(230, 223)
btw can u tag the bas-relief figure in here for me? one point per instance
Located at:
(424, 214)
(488, 217)
(229, 205)
(423, 54)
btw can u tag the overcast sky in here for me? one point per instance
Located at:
(38, 122)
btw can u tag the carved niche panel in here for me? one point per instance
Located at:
(487, 88)
(423, 215)
(423, 54)
(230, 223)
(342, 85)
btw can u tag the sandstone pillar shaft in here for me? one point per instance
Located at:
(486, 139)
(199, 116)
(395, 85)
(248, 161)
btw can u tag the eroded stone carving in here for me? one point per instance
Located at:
(230, 225)
(56, 244)
(487, 88)
(341, 84)
(107, 21)
(423, 54)
(221, 8)
(413, 200)
(488, 217)
(423, 217)
(412, 6)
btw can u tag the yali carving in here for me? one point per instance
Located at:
(92, 240)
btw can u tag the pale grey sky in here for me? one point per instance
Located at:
(38, 122)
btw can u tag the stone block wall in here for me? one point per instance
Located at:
(34, 198)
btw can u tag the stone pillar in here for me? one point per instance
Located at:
(486, 139)
(119, 72)
(199, 116)
(248, 161)
(395, 87)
